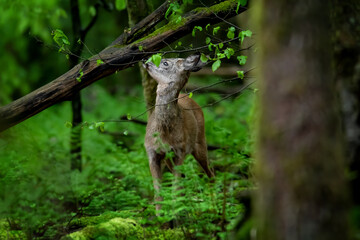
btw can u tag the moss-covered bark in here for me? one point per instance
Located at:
(302, 192)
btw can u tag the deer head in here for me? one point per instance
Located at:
(174, 72)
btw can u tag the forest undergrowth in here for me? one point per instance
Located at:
(41, 198)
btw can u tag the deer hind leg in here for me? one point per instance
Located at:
(200, 154)
(156, 173)
(173, 162)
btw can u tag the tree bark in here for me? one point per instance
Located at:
(115, 57)
(302, 192)
(76, 104)
(346, 22)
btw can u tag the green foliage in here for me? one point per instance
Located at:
(215, 30)
(203, 58)
(231, 33)
(194, 30)
(240, 74)
(120, 4)
(242, 3)
(81, 73)
(23, 24)
(244, 34)
(216, 65)
(242, 59)
(116, 179)
(156, 59)
(99, 62)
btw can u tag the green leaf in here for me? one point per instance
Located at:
(194, 30)
(190, 95)
(99, 62)
(242, 59)
(215, 30)
(207, 26)
(203, 58)
(243, 2)
(220, 55)
(120, 4)
(240, 74)
(168, 11)
(60, 38)
(79, 41)
(81, 73)
(240, 3)
(92, 11)
(65, 41)
(68, 124)
(178, 19)
(156, 59)
(221, 45)
(141, 48)
(244, 34)
(179, 43)
(229, 52)
(126, 132)
(149, 60)
(100, 126)
(208, 40)
(173, 9)
(216, 65)
(231, 33)
(128, 116)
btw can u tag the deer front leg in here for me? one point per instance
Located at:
(200, 154)
(155, 169)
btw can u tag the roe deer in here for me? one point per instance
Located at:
(177, 123)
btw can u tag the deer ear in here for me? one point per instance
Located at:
(192, 63)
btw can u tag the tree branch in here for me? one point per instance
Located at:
(115, 57)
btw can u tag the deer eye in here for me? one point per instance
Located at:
(166, 64)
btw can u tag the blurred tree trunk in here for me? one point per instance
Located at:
(138, 10)
(76, 104)
(346, 24)
(76, 49)
(302, 191)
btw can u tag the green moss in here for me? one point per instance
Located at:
(116, 228)
(93, 220)
(172, 25)
(6, 233)
(223, 6)
(121, 228)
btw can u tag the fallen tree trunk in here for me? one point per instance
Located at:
(115, 57)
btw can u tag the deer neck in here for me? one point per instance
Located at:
(167, 110)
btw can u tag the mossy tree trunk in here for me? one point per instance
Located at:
(138, 10)
(346, 24)
(300, 164)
